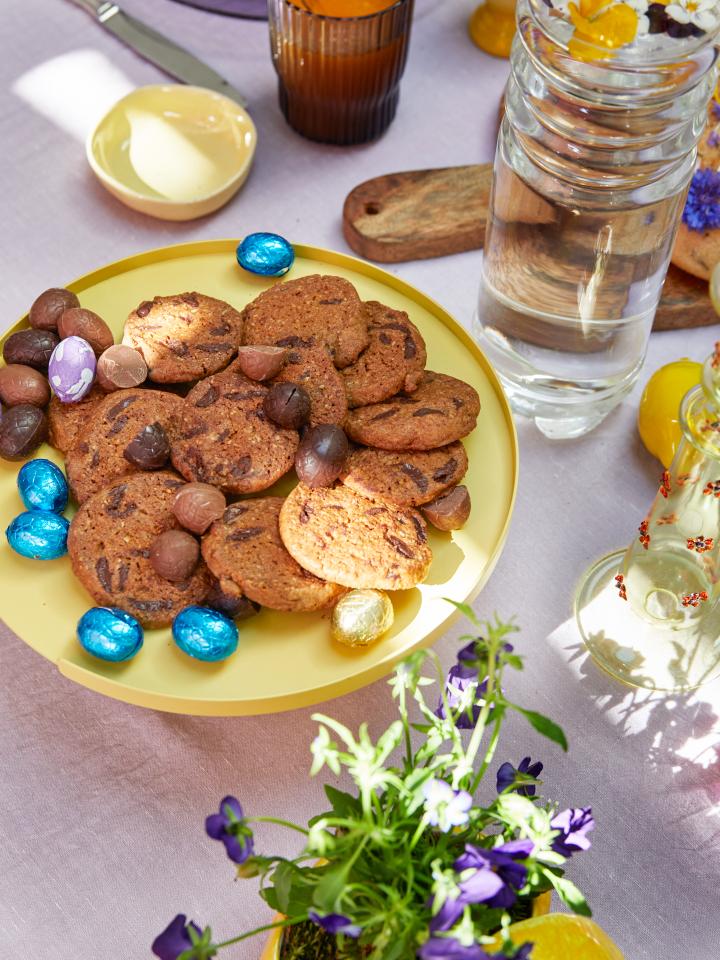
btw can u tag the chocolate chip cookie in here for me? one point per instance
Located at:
(310, 366)
(335, 533)
(97, 459)
(184, 337)
(226, 439)
(393, 362)
(324, 307)
(66, 421)
(244, 551)
(405, 478)
(441, 410)
(109, 545)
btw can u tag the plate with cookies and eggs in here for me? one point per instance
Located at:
(282, 447)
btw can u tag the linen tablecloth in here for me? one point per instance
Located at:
(102, 804)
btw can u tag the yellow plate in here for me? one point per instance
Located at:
(284, 660)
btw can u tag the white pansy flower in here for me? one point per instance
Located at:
(703, 14)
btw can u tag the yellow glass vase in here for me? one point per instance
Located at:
(492, 27)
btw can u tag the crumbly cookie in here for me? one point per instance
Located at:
(324, 307)
(392, 363)
(696, 251)
(404, 478)
(226, 439)
(67, 421)
(109, 545)
(244, 551)
(97, 459)
(335, 533)
(184, 337)
(310, 366)
(440, 411)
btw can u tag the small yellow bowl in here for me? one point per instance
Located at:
(173, 151)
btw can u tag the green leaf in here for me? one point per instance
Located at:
(544, 725)
(282, 880)
(331, 884)
(466, 610)
(569, 894)
(343, 804)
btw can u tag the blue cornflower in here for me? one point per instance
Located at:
(230, 828)
(175, 938)
(507, 774)
(573, 824)
(335, 923)
(702, 207)
(446, 808)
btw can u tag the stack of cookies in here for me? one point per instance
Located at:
(307, 376)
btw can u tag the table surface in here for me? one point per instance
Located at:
(103, 804)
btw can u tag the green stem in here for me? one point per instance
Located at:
(280, 823)
(287, 922)
(489, 755)
(418, 832)
(477, 733)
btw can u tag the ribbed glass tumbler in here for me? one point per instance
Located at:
(339, 77)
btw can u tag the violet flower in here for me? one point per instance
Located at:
(229, 827)
(702, 207)
(175, 938)
(335, 923)
(448, 948)
(573, 824)
(507, 773)
(446, 808)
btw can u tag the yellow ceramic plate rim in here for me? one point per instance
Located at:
(363, 675)
(105, 177)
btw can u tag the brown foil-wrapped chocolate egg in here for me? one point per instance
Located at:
(361, 617)
(149, 449)
(261, 362)
(79, 322)
(197, 505)
(174, 555)
(288, 405)
(121, 367)
(49, 306)
(22, 429)
(22, 384)
(450, 511)
(33, 348)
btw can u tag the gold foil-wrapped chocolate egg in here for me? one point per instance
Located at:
(361, 617)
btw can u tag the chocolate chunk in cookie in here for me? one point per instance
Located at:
(98, 457)
(244, 551)
(440, 411)
(405, 478)
(337, 534)
(324, 308)
(109, 544)
(310, 366)
(67, 421)
(393, 362)
(184, 337)
(226, 438)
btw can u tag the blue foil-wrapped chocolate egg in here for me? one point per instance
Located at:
(42, 486)
(267, 254)
(38, 535)
(205, 634)
(71, 369)
(109, 633)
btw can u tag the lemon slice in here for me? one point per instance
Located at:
(559, 936)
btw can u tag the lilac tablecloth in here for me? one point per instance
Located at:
(102, 804)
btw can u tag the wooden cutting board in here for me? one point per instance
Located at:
(420, 214)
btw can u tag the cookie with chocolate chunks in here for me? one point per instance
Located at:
(226, 438)
(325, 308)
(404, 478)
(393, 362)
(441, 410)
(109, 544)
(97, 459)
(335, 533)
(184, 337)
(244, 551)
(309, 365)
(67, 421)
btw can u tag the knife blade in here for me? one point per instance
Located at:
(158, 49)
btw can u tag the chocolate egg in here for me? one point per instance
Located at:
(174, 555)
(267, 254)
(109, 633)
(234, 606)
(261, 362)
(22, 429)
(205, 634)
(449, 511)
(38, 535)
(197, 505)
(49, 306)
(121, 367)
(72, 369)
(287, 404)
(33, 348)
(321, 455)
(79, 322)
(361, 617)
(21, 384)
(42, 486)
(149, 449)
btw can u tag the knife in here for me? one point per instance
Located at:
(156, 48)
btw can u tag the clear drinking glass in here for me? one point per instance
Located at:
(339, 76)
(592, 167)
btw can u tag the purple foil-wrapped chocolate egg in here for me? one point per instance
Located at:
(71, 370)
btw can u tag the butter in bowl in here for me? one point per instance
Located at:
(173, 151)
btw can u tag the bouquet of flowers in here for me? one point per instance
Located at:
(422, 859)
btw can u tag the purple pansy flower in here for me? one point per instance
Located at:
(702, 207)
(460, 685)
(573, 824)
(335, 923)
(448, 948)
(230, 828)
(175, 938)
(446, 808)
(506, 776)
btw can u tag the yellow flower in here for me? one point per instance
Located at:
(598, 25)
